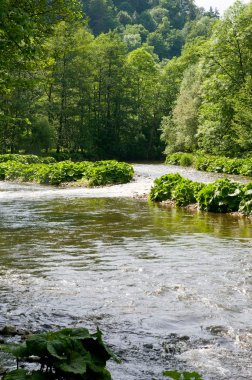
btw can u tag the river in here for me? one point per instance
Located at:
(171, 289)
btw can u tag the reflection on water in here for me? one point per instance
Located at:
(138, 270)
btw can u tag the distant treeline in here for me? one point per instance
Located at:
(108, 82)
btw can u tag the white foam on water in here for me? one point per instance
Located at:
(216, 361)
(137, 188)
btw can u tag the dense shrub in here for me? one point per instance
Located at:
(65, 171)
(174, 158)
(245, 206)
(98, 173)
(3, 167)
(185, 192)
(186, 160)
(246, 168)
(214, 164)
(163, 187)
(201, 163)
(26, 159)
(174, 187)
(109, 172)
(221, 196)
(233, 166)
(22, 172)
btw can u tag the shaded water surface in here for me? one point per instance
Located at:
(169, 288)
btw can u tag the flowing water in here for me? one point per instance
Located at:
(171, 289)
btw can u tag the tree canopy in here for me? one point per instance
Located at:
(108, 78)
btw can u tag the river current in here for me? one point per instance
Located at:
(170, 289)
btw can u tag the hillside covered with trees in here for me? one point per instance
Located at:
(109, 78)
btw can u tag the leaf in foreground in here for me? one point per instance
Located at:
(182, 375)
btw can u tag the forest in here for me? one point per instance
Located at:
(130, 80)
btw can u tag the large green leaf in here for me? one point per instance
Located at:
(76, 363)
(182, 375)
(69, 352)
(57, 348)
(38, 375)
(78, 333)
(99, 339)
(37, 344)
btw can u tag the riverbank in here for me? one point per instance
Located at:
(194, 208)
(221, 196)
(139, 187)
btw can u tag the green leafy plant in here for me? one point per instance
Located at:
(183, 375)
(246, 168)
(201, 163)
(68, 354)
(186, 160)
(245, 206)
(174, 187)
(163, 187)
(216, 164)
(95, 173)
(185, 192)
(221, 196)
(174, 158)
(26, 159)
(109, 172)
(233, 166)
(2, 171)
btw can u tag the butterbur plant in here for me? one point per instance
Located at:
(185, 192)
(68, 354)
(26, 159)
(163, 187)
(175, 375)
(216, 164)
(94, 173)
(245, 206)
(221, 196)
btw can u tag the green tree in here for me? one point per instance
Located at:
(20, 91)
(181, 93)
(68, 85)
(139, 5)
(124, 6)
(200, 27)
(180, 130)
(147, 21)
(24, 25)
(158, 13)
(145, 90)
(101, 14)
(107, 117)
(227, 69)
(138, 30)
(167, 41)
(180, 11)
(242, 120)
(124, 18)
(133, 41)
